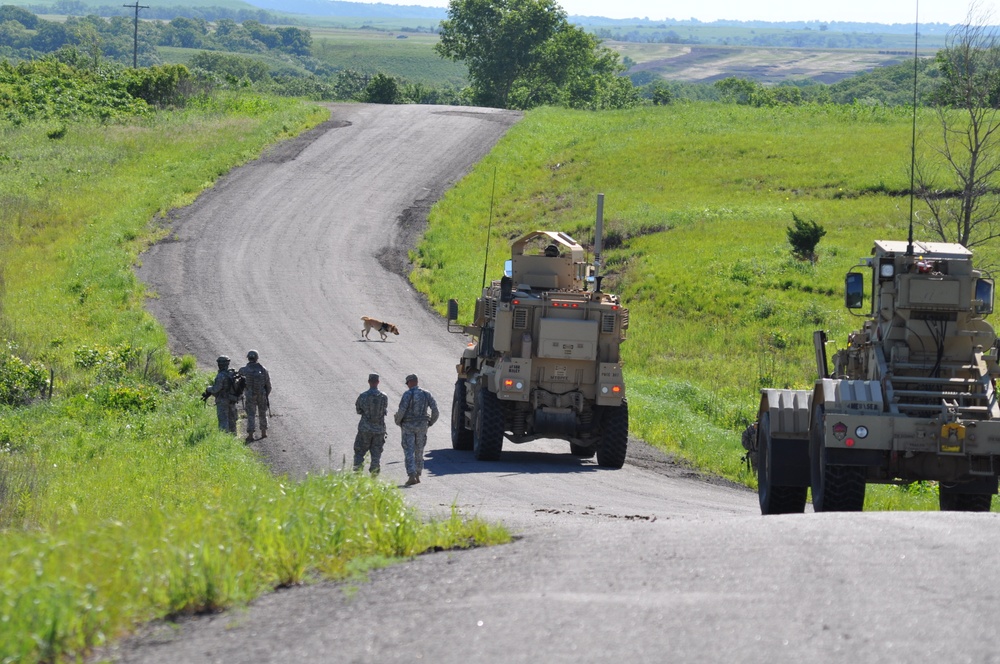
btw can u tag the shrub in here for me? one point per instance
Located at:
(382, 89)
(804, 237)
(19, 380)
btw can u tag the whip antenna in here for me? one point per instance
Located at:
(913, 136)
(489, 227)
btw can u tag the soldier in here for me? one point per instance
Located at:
(413, 420)
(257, 396)
(224, 391)
(372, 405)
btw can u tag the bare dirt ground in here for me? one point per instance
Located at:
(648, 563)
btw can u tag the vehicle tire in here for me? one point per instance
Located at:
(461, 438)
(581, 451)
(487, 440)
(613, 445)
(834, 488)
(953, 501)
(774, 499)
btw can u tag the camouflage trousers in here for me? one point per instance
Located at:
(414, 441)
(256, 405)
(227, 415)
(367, 441)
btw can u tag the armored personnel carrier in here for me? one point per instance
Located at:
(912, 396)
(544, 359)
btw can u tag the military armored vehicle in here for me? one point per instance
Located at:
(911, 397)
(544, 359)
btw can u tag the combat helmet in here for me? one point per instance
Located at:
(223, 360)
(252, 355)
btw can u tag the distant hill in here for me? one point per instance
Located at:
(351, 9)
(383, 10)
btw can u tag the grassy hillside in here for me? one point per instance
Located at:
(120, 501)
(698, 198)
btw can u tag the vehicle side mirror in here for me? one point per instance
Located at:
(452, 309)
(854, 290)
(984, 297)
(508, 268)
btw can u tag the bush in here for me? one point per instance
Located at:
(382, 89)
(804, 237)
(20, 381)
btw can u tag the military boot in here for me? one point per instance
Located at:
(263, 434)
(249, 437)
(412, 480)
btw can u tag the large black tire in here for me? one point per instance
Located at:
(487, 440)
(953, 501)
(461, 438)
(581, 451)
(613, 445)
(834, 488)
(774, 499)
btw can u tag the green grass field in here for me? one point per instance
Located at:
(407, 55)
(703, 195)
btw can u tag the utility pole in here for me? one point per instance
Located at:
(135, 33)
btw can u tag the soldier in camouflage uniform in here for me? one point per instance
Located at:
(257, 395)
(223, 388)
(412, 418)
(372, 405)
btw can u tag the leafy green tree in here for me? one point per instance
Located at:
(524, 53)
(231, 66)
(18, 14)
(660, 93)
(382, 89)
(804, 236)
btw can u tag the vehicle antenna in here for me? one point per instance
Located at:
(489, 227)
(913, 137)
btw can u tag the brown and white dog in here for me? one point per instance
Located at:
(382, 327)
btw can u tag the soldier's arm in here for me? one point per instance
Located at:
(434, 409)
(267, 382)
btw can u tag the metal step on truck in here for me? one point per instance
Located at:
(912, 397)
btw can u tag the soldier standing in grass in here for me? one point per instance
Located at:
(372, 405)
(223, 388)
(412, 418)
(257, 395)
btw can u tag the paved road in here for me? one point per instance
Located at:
(647, 563)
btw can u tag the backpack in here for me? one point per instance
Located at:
(239, 383)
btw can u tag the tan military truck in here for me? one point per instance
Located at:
(544, 359)
(912, 396)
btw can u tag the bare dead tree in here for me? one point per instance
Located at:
(960, 184)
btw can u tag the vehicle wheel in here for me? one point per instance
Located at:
(487, 441)
(581, 451)
(774, 499)
(953, 501)
(613, 445)
(461, 438)
(834, 488)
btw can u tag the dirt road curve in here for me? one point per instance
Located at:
(644, 564)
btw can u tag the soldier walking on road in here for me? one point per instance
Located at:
(223, 388)
(257, 396)
(413, 420)
(372, 405)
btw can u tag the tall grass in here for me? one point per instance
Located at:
(119, 499)
(698, 200)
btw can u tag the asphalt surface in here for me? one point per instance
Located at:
(652, 562)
